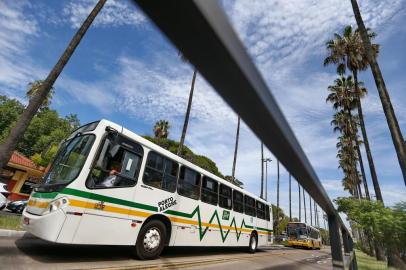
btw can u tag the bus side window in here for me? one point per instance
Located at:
(160, 172)
(260, 210)
(189, 183)
(225, 196)
(238, 201)
(267, 214)
(209, 191)
(249, 206)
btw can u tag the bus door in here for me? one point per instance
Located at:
(269, 220)
(107, 217)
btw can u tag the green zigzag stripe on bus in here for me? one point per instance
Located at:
(202, 232)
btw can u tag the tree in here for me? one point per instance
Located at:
(237, 136)
(385, 225)
(161, 129)
(347, 52)
(189, 107)
(10, 109)
(342, 97)
(397, 137)
(16, 133)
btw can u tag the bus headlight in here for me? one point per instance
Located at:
(57, 204)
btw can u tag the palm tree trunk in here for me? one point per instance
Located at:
(189, 106)
(393, 124)
(262, 171)
(290, 197)
(237, 136)
(9, 144)
(300, 204)
(277, 197)
(364, 179)
(374, 177)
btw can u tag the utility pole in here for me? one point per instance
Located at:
(304, 205)
(266, 160)
(311, 218)
(290, 197)
(262, 171)
(300, 204)
(277, 197)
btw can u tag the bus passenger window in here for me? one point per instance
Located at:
(267, 214)
(238, 201)
(225, 196)
(189, 183)
(160, 172)
(209, 190)
(260, 210)
(116, 166)
(249, 206)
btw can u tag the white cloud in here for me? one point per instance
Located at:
(114, 13)
(17, 29)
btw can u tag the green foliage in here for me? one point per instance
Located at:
(44, 133)
(384, 224)
(10, 109)
(234, 181)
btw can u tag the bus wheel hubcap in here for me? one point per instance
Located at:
(253, 244)
(152, 239)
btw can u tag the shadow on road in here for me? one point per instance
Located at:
(47, 252)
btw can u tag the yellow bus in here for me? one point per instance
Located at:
(302, 235)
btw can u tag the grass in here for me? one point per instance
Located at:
(366, 262)
(10, 222)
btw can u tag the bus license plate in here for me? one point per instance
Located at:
(26, 221)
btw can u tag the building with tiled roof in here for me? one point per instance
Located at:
(19, 175)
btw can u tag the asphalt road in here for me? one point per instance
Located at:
(33, 253)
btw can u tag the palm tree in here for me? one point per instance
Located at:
(397, 137)
(161, 129)
(33, 88)
(342, 96)
(189, 106)
(237, 137)
(347, 51)
(344, 123)
(16, 133)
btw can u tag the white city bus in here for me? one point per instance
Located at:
(110, 186)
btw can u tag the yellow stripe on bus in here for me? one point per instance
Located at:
(39, 204)
(125, 211)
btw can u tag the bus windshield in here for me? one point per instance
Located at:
(70, 159)
(297, 230)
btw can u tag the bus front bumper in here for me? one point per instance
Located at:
(46, 227)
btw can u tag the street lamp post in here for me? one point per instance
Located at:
(266, 160)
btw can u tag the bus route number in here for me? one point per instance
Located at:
(165, 204)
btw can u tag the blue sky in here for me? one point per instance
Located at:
(126, 71)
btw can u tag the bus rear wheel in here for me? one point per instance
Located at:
(252, 246)
(150, 240)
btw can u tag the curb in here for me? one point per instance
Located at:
(13, 233)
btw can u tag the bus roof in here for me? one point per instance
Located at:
(298, 222)
(169, 154)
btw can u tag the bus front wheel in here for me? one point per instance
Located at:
(150, 240)
(252, 246)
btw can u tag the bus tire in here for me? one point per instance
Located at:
(150, 240)
(253, 244)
